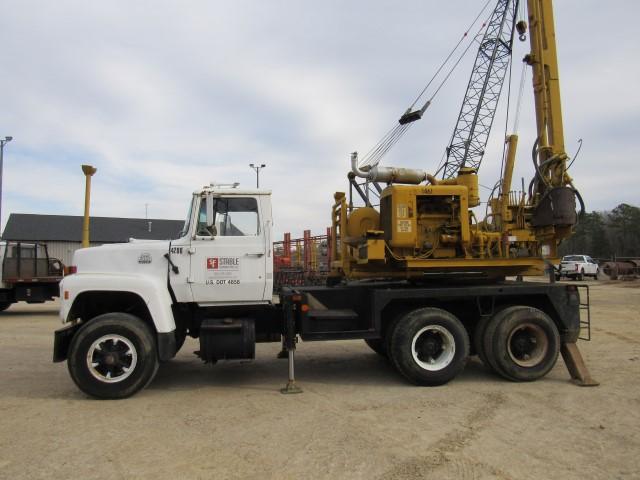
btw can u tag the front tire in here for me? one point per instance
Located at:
(429, 346)
(113, 356)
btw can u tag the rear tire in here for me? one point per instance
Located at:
(580, 276)
(113, 356)
(523, 343)
(378, 345)
(429, 346)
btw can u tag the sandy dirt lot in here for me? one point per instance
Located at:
(357, 418)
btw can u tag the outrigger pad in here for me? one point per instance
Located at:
(291, 388)
(576, 366)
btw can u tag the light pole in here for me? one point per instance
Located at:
(88, 171)
(2, 142)
(257, 169)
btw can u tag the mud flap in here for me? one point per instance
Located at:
(62, 340)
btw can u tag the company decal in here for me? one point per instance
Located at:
(223, 271)
(145, 257)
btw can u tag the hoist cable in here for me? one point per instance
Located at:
(462, 39)
(523, 76)
(373, 157)
(506, 123)
(576, 154)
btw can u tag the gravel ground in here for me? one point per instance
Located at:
(357, 418)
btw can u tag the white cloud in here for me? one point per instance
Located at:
(164, 98)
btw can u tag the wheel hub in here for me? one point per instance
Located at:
(527, 345)
(433, 347)
(111, 358)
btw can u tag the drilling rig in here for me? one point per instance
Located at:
(425, 227)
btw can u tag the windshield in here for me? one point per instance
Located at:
(185, 228)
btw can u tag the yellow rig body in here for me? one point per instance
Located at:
(422, 229)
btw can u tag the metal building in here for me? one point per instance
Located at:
(63, 233)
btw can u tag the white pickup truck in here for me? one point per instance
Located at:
(577, 267)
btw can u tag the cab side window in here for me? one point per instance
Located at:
(233, 217)
(236, 217)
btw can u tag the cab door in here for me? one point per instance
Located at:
(228, 251)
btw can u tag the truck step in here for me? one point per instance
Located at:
(332, 314)
(338, 335)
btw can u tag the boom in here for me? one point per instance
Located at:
(475, 119)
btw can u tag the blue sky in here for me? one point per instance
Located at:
(163, 98)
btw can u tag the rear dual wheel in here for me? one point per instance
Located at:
(429, 346)
(520, 343)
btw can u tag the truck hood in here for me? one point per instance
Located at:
(144, 257)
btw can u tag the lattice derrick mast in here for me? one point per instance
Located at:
(480, 102)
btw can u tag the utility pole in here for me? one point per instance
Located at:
(88, 171)
(146, 210)
(2, 142)
(257, 169)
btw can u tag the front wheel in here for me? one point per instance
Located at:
(113, 356)
(429, 346)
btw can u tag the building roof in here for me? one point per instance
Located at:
(66, 228)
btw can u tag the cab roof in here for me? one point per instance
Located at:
(230, 189)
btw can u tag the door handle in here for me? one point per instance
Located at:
(257, 254)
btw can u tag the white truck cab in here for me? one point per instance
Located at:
(155, 292)
(224, 255)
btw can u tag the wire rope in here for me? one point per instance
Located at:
(373, 156)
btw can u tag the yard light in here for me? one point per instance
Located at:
(6, 139)
(88, 171)
(257, 169)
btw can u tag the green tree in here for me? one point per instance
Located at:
(624, 223)
(589, 238)
(600, 246)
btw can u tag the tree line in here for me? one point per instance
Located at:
(606, 234)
